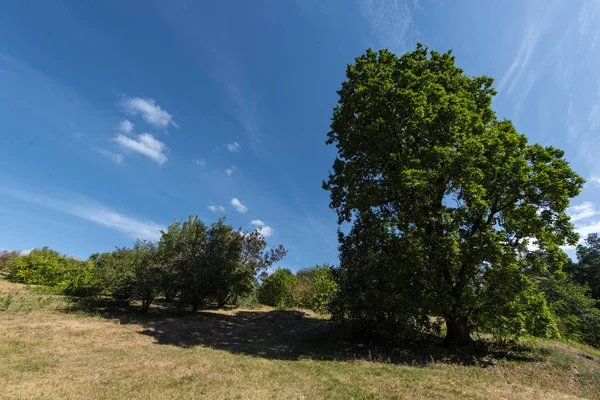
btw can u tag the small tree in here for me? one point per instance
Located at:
(442, 197)
(214, 262)
(149, 272)
(277, 289)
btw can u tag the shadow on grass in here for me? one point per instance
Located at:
(289, 335)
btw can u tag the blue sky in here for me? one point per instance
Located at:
(117, 118)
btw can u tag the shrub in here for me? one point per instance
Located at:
(49, 268)
(315, 288)
(277, 289)
(6, 258)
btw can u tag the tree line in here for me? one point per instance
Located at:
(193, 264)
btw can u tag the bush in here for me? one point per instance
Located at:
(6, 258)
(47, 267)
(576, 313)
(277, 289)
(315, 288)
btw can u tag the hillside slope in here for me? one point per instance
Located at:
(48, 350)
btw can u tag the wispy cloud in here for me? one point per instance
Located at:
(583, 211)
(519, 74)
(215, 208)
(78, 135)
(25, 252)
(92, 211)
(390, 21)
(239, 207)
(234, 147)
(149, 110)
(200, 163)
(595, 180)
(257, 222)
(126, 126)
(115, 157)
(144, 144)
(582, 216)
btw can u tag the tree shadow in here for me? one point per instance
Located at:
(289, 335)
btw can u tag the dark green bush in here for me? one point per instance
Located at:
(277, 289)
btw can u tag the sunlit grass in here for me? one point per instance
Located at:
(48, 349)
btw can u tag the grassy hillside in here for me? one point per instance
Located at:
(52, 348)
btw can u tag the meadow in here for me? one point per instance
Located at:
(54, 346)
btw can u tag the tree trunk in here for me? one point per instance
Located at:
(457, 333)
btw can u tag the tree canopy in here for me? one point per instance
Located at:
(443, 199)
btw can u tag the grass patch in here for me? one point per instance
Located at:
(96, 351)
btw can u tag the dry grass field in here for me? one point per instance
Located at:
(52, 348)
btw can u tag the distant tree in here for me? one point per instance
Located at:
(149, 273)
(183, 245)
(277, 289)
(116, 272)
(586, 271)
(214, 262)
(576, 313)
(442, 198)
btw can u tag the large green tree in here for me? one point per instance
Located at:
(442, 198)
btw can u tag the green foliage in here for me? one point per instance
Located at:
(50, 268)
(315, 288)
(116, 272)
(6, 258)
(434, 188)
(577, 315)
(277, 289)
(586, 271)
(214, 262)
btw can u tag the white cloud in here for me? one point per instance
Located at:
(201, 163)
(584, 230)
(115, 157)
(145, 144)
(581, 212)
(582, 215)
(234, 147)
(78, 135)
(595, 179)
(237, 204)
(126, 126)
(215, 208)
(25, 252)
(92, 211)
(150, 111)
(266, 231)
(229, 171)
